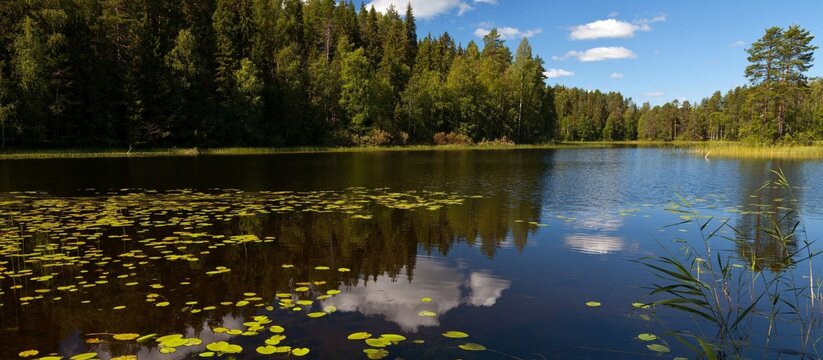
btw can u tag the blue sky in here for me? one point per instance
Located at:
(652, 51)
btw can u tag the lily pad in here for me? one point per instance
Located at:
(299, 351)
(658, 348)
(647, 337)
(359, 336)
(455, 334)
(472, 347)
(125, 337)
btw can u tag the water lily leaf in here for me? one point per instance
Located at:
(472, 347)
(27, 353)
(593, 304)
(174, 343)
(647, 337)
(658, 348)
(276, 329)
(299, 351)
(639, 305)
(233, 349)
(455, 334)
(393, 337)
(167, 338)
(84, 356)
(426, 313)
(206, 354)
(378, 343)
(426, 299)
(145, 337)
(219, 346)
(126, 337)
(317, 314)
(359, 336)
(266, 350)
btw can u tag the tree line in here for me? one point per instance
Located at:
(112, 73)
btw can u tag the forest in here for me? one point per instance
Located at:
(212, 73)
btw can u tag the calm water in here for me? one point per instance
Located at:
(509, 245)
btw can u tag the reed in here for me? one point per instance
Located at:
(725, 298)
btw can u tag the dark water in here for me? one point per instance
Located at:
(531, 237)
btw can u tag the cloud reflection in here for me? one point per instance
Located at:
(398, 300)
(595, 244)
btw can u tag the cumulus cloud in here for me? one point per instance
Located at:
(612, 28)
(490, 2)
(738, 43)
(424, 9)
(556, 73)
(599, 54)
(616, 75)
(508, 33)
(654, 94)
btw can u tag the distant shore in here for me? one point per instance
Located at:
(709, 150)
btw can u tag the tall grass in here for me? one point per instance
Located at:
(233, 151)
(738, 150)
(725, 298)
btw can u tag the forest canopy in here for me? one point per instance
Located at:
(120, 73)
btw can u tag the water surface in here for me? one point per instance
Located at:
(509, 245)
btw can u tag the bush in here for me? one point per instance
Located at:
(805, 138)
(375, 137)
(503, 141)
(451, 138)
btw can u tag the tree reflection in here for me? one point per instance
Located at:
(765, 214)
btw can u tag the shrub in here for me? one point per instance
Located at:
(451, 138)
(375, 137)
(503, 141)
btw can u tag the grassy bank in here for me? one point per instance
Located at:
(742, 151)
(233, 151)
(712, 149)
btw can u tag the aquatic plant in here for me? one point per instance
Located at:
(727, 299)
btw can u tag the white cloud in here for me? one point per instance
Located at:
(599, 54)
(508, 33)
(556, 73)
(616, 75)
(424, 9)
(612, 28)
(462, 8)
(654, 94)
(614, 14)
(738, 43)
(490, 2)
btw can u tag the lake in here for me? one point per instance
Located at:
(507, 247)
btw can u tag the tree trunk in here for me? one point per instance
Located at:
(781, 122)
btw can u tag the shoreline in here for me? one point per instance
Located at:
(704, 149)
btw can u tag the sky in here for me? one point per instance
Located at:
(654, 51)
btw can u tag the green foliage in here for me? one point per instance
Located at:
(322, 72)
